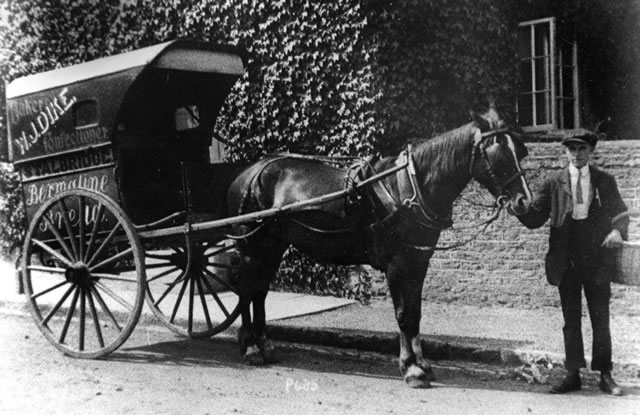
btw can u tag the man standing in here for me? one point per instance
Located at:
(580, 202)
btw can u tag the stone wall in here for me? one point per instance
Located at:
(504, 266)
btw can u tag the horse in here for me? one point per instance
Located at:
(393, 224)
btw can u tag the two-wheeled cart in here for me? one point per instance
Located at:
(124, 190)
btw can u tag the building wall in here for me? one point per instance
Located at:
(504, 266)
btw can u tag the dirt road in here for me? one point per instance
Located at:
(157, 373)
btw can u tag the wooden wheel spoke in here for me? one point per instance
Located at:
(57, 306)
(203, 301)
(81, 228)
(112, 259)
(46, 269)
(69, 228)
(163, 257)
(220, 280)
(171, 286)
(104, 244)
(48, 290)
(64, 261)
(94, 232)
(154, 266)
(83, 309)
(67, 321)
(113, 295)
(58, 237)
(105, 308)
(162, 274)
(113, 277)
(218, 251)
(216, 298)
(179, 300)
(191, 295)
(222, 266)
(94, 317)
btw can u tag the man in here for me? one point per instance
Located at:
(581, 200)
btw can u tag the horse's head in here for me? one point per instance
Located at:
(495, 162)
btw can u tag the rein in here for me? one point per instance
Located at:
(500, 203)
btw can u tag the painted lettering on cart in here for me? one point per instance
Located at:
(57, 217)
(67, 162)
(38, 193)
(46, 118)
(75, 139)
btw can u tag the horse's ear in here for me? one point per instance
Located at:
(481, 120)
(488, 120)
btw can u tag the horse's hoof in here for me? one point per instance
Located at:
(253, 357)
(429, 374)
(417, 378)
(269, 352)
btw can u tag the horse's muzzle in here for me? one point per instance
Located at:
(518, 205)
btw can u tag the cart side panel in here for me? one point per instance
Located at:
(65, 118)
(37, 192)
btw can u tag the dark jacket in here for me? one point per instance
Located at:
(554, 202)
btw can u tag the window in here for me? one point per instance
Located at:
(85, 114)
(548, 95)
(187, 118)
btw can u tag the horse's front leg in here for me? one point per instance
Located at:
(405, 275)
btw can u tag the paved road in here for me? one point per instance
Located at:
(158, 373)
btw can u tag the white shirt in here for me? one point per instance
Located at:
(580, 210)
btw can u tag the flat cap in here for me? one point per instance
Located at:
(579, 135)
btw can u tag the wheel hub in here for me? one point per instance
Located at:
(78, 274)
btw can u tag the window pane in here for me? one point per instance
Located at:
(525, 76)
(542, 108)
(85, 113)
(525, 110)
(542, 39)
(187, 118)
(524, 42)
(568, 120)
(542, 74)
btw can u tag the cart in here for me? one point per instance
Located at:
(124, 191)
(109, 152)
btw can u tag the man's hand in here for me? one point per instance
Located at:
(613, 240)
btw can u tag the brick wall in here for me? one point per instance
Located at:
(505, 264)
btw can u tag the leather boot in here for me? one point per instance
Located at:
(607, 385)
(570, 383)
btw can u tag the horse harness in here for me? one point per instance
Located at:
(409, 201)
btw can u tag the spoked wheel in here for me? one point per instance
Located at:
(191, 286)
(83, 273)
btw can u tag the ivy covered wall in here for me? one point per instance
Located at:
(341, 77)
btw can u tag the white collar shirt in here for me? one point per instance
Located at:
(580, 210)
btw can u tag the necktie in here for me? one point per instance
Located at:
(579, 199)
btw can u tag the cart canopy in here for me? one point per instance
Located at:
(154, 91)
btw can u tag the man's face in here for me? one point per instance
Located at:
(578, 154)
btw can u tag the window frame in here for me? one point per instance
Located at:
(557, 61)
(550, 83)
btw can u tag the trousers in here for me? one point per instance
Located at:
(597, 295)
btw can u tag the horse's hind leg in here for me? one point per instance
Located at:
(406, 277)
(246, 339)
(259, 323)
(259, 268)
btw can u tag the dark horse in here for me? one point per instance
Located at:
(392, 224)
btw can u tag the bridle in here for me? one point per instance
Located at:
(414, 207)
(499, 186)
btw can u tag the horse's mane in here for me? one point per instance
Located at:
(443, 151)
